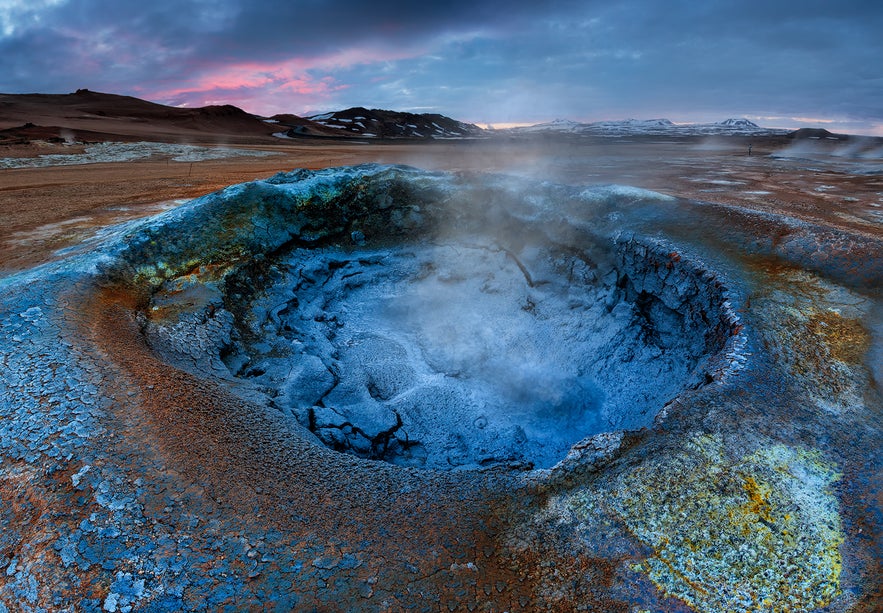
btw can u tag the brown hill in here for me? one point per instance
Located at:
(88, 116)
(128, 118)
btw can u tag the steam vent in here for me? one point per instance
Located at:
(378, 388)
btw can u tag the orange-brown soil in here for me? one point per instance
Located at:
(46, 209)
(251, 466)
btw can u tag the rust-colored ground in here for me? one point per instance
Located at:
(190, 431)
(46, 209)
(252, 470)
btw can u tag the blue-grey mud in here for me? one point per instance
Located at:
(380, 388)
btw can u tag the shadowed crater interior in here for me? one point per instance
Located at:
(433, 320)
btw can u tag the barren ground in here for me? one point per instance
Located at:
(46, 209)
(226, 494)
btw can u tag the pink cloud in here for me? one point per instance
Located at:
(271, 87)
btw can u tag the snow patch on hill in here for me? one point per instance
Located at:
(360, 121)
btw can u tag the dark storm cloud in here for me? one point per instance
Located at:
(479, 60)
(250, 29)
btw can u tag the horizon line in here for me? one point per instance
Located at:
(846, 127)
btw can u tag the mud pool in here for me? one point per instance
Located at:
(489, 343)
(380, 388)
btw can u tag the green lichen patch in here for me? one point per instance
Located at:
(760, 533)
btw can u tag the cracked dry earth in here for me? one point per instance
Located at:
(379, 388)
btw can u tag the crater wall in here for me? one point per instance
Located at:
(431, 320)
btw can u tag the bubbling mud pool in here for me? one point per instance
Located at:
(436, 325)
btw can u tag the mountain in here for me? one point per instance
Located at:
(637, 123)
(816, 134)
(378, 123)
(88, 115)
(558, 125)
(738, 123)
(601, 127)
(293, 126)
(632, 126)
(644, 127)
(94, 116)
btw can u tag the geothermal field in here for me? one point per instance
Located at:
(625, 368)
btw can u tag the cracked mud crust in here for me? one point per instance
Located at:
(144, 469)
(445, 356)
(459, 337)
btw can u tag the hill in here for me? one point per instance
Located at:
(88, 116)
(816, 134)
(379, 123)
(99, 116)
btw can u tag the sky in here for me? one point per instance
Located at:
(780, 63)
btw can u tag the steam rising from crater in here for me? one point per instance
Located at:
(448, 322)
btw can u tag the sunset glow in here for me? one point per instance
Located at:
(530, 63)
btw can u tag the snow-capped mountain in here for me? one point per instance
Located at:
(378, 123)
(739, 123)
(638, 127)
(632, 126)
(558, 125)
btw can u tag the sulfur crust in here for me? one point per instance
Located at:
(761, 533)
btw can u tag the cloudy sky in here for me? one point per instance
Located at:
(781, 63)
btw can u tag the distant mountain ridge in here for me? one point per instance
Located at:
(95, 116)
(637, 127)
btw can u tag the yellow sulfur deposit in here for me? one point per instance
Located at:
(759, 533)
